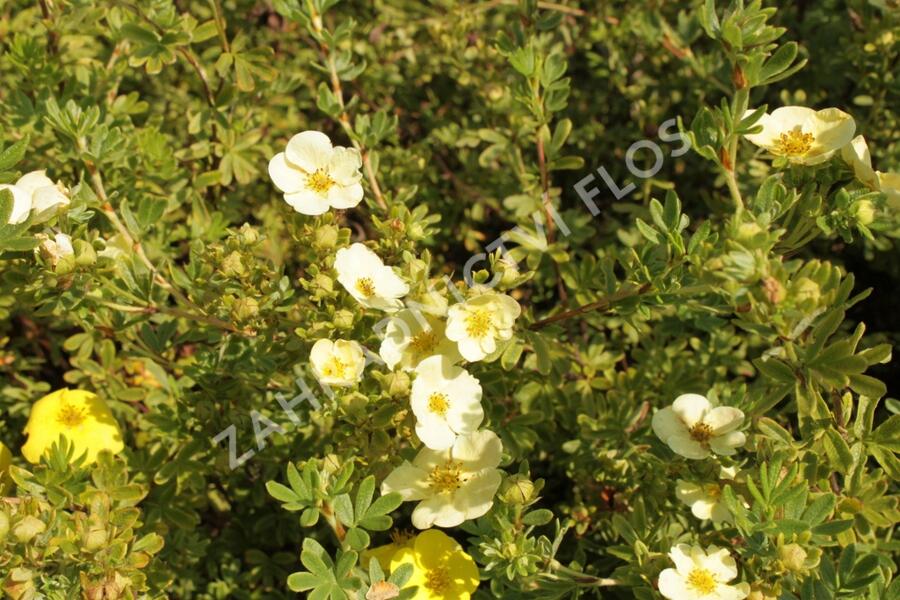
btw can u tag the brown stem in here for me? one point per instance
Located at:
(52, 35)
(603, 304)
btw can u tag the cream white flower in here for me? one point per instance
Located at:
(316, 176)
(45, 194)
(338, 363)
(452, 485)
(700, 575)
(477, 324)
(803, 135)
(857, 155)
(705, 498)
(889, 184)
(446, 400)
(411, 336)
(35, 191)
(368, 279)
(21, 204)
(693, 428)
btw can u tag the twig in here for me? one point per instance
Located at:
(603, 304)
(220, 25)
(344, 118)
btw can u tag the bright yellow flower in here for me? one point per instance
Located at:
(441, 569)
(80, 416)
(385, 553)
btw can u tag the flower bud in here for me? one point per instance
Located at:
(326, 237)
(805, 289)
(865, 212)
(249, 235)
(773, 290)
(793, 557)
(244, 309)
(85, 255)
(233, 265)
(517, 489)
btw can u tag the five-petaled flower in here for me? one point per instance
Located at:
(452, 485)
(83, 418)
(412, 336)
(316, 176)
(700, 575)
(441, 568)
(477, 324)
(803, 135)
(446, 400)
(36, 192)
(339, 363)
(693, 428)
(368, 279)
(705, 499)
(857, 155)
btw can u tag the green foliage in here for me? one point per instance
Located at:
(194, 292)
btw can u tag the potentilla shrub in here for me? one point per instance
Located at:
(448, 300)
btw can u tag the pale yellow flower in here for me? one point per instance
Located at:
(452, 485)
(412, 336)
(857, 155)
(705, 499)
(368, 279)
(446, 401)
(479, 323)
(803, 135)
(693, 428)
(316, 176)
(339, 363)
(81, 417)
(700, 575)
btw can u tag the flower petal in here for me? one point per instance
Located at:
(690, 408)
(309, 150)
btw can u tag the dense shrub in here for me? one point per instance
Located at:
(387, 299)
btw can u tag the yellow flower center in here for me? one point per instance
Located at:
(320, 181)
(701, 580)
(713, 491)
(335, 367)
(478, 323)
(446, 478)
(701, 432)
(438, 404)
(437, 580)
(424, 342)
(365, 286)
(71, 416)
(794, 143)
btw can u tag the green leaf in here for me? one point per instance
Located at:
(343, 509)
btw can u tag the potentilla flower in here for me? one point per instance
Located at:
(478, 323)
(81, 417)
(446, 400)
(316, 176)
(803, 135)
(412, 336)
(45, 194)
(857, 155)
(705, 499)
(399, 540)
(35, 191)
(338, 363)
(700, 575)
(452, 485)
(693, 428)
(368, 279)
(441, 568)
